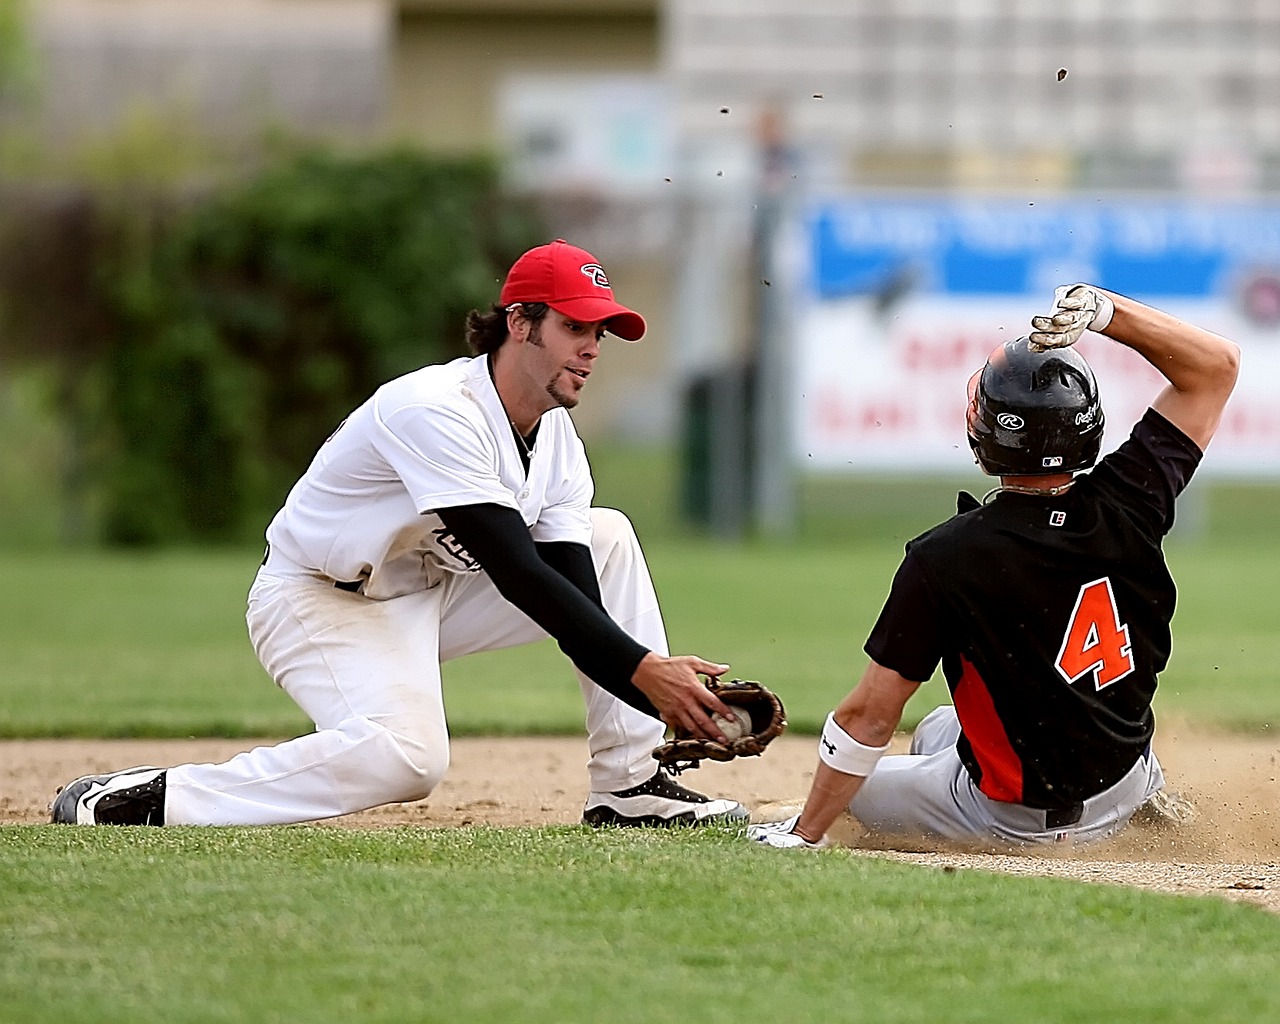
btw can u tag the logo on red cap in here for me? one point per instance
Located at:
(596, 273)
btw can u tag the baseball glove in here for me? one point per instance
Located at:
(768, 721)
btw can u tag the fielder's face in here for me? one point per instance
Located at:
(559, 355)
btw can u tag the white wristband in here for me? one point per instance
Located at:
(1106, 310)
(838, 750)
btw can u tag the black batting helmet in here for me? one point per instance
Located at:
(1034, 413)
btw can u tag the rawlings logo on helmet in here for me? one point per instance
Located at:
(596, 273)
(1086, 418)
(1011, 421)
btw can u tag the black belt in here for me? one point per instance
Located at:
(350, 586)
(1063, 817)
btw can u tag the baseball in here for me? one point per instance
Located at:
(737, 726)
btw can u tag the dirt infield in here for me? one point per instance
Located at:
(1233, 848)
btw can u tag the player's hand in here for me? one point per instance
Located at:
(676, 690)
(1076, 308)
(782, 835)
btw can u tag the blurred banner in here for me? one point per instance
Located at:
(901, 299)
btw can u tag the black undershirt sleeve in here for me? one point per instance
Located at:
(555, 585)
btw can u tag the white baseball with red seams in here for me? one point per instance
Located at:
(733, 728)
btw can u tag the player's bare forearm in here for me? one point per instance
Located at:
(1201, 366)
(870, 714)
(828, 798)
(673, 686)
(1189, 356)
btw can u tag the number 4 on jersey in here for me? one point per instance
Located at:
(1095, 638)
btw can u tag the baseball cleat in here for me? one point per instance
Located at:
(134, 796)
(779, 834)
(660, 802)
(1166, 809)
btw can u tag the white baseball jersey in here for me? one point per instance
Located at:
(435, 438)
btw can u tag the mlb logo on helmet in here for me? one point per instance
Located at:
(1051, 461)
(571, 281)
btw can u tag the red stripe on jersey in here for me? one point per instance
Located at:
(1001, 769)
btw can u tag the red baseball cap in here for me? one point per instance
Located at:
(570, 281)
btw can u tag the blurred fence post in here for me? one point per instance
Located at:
(717, 463)
(715, 492)
(736, 471)
(773, 501)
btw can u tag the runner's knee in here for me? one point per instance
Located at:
(937, 731)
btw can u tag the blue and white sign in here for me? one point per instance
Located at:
(903, 298)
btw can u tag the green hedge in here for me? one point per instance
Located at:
(210, 343)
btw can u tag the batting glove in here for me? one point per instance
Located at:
(1076, 308)
(779, 834)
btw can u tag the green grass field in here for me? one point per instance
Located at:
(111, 644)
(562, 924)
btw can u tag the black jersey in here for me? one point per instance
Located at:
(1050, 616)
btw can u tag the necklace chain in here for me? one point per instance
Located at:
(1042, 492)
(524, 445)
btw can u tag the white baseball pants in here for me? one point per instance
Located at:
(928, 793)
(368, 674)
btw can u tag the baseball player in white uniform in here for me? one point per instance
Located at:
(450, 513)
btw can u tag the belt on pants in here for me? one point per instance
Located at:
(351, 586)
(1063, 817)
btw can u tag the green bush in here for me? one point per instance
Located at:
(232, 331)
(258, 318)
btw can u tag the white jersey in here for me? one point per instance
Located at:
(435, 438)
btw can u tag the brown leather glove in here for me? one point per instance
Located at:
(768, 721)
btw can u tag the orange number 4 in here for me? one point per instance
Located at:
(1095, 638)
